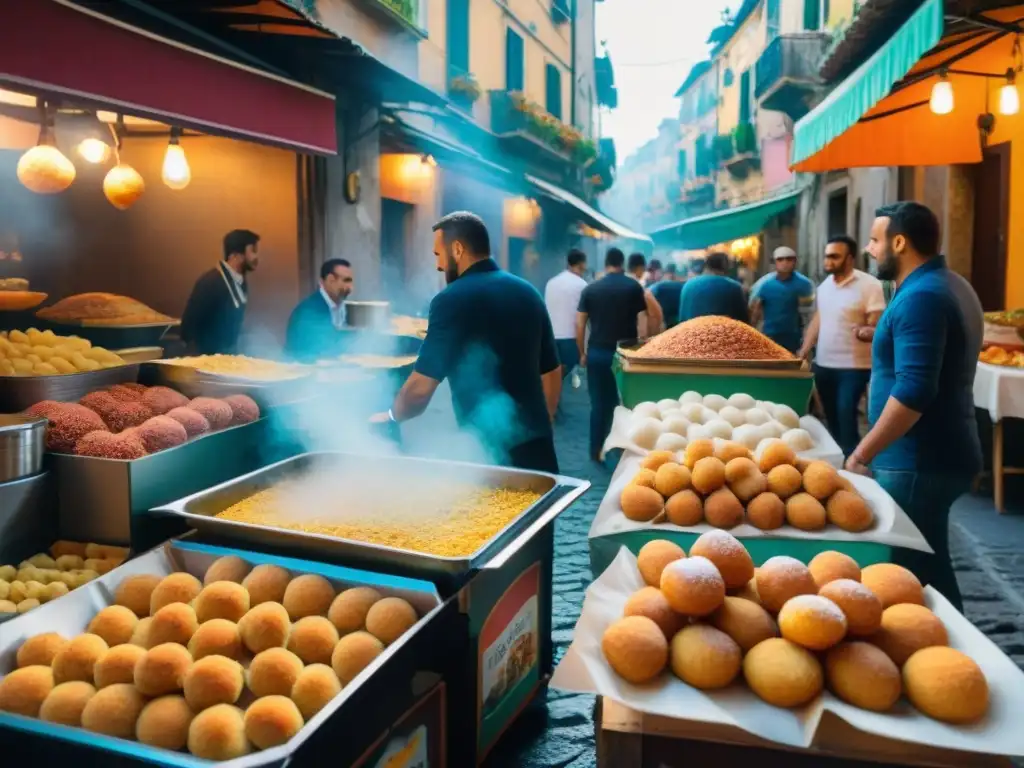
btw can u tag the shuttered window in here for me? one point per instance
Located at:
(745, 97)
(553, 90)
(812, 15)
(514, 66)
(458, 38)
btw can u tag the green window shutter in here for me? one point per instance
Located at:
(514, 66)
(812, 15)
(458, 37)
(682, 167)
(553, 90)
(745, 97)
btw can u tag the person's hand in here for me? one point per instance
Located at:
(804, 354)
(855, 465)
(863, 333)
(583, 362)
(380, 418)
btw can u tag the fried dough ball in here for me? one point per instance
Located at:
(893, 584)
(117, 665)
(805, 512)
(728, 450)
(782, 673)
(671, 478)
(708, 475)
(784, 480)
(348, 611)
(174, 623)
(24, 690)
(217, 637)
(831, 565)
(40, 649)
(75, 661)
(821, 480)
(135, 593)
(781, 578)
(946, 685)
(227, 568)
(271, 721)
(644, 478)
(744, 621)
(390, 618)
(697, 450)
(313, 639)
(654, 556)
(222, 600)
(766, 511)
(65, 703)
(655, 459)
(650, 602)
(211, 681)
(274, 670)
(705, 657)
(115, 624)
(140, 636)
(745, 479)
(218, 733)
(693, 586)
(813, 621)
(749, 591)
(114, 710)
(640, 503)
(354, 652)
(162, 669)
(729, 556)
(862, 675)
(265, 626)
(849, 511)
(266, 584)
(164, 723)
(316, 686)
(722, 509)
(635, 648)
(177, 587)
(28, 604)
(776, 453)
(685, 509)
(907, 628)
(862, 609)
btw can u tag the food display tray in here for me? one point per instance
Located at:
(194, 383)
(200, 510)
(19, 392)
(113, 336)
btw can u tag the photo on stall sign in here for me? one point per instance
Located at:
(407, 751)
(509, 642)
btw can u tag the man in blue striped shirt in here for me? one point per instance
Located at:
(923, 446)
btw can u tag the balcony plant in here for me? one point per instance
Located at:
(466, 87)
(745, 139)
(724, 147)
(552, 131)
(407, 9)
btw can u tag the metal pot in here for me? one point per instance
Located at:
(368, 314)
(22, 444)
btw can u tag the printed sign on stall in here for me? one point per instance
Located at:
(417, 740)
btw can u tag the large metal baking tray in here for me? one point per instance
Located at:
(628, 351)
(19, 392)
(114, 336)
(194, 383)
(200, 510)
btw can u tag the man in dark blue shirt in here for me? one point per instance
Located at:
(490, 336)
(667, 292)
(712, 293)
(923, 446)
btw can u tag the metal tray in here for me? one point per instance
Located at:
(199, 511)
(628, 351)
(19, 392)
(193, 383)
(113, 336)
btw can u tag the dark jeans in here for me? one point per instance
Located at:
(841, 390)
(568, 355)
(926, 498)
(604, 396)
(537, 455)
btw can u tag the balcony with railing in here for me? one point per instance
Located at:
(737, 151)
(516, 119)
(786, 75)
(409, 14)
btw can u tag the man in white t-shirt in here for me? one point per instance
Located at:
(848, 305)
(562, 297)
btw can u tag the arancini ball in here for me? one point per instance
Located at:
(65, 703)
(271, 721)
(671, 478)
(693, 586)
(863, 610)
(722, 509)
(353, 653)
(227, 568)
(907, 628)
(216, 637)
(813, 621)
(76, 660)
(179, 587)
(728, 450)
(115, 624)
(946, 685)
(348, 611)
(831, 565)
(821, 480)
(117, 665)
(729, 556)
(685, 509)
(174, 623)
(655, 459)
(780, 578)
(745, 479)
(640, 503)
(308, 595)
(746, 622)
(222, 600)
(644, 478)
(776, 453)
(164, 723)
(650, 602)
(135, 593)
(783, 673)
(849, 511)
(140, 636)
(705, 657)
(162, 669)
(862, 675)
(316, 686)
(390, 618)
(24, 690)
(313, 639)
(114, 710)
(218, 733)
(40, 649)
(708, 475)
(766, 511)
(266, 584)
(636, 648)
(805, 512)
(784, 480)
(213, 680)
(274, 670)
(697, 450)
(893, 584)
(265, 626)
(654, 556)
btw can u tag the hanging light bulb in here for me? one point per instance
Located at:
(1009, 99)
(176, 173)
(94, 150)
(941, 102)
(44, 169)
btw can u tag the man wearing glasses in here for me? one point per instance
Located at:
(781, 301)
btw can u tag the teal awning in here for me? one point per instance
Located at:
(869, 83)
(722, 226)
(591, 215)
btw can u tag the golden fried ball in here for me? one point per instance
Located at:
(745, 479)
(722, 509)
(174, 623)
(784, 480)
(140, 636)
(390, 618)
(316, 686)
(693, 586)
(308, 595)
(348, 611)
(65, 703)
(216, 637)
(780, 578)
(907, 628)
(821, 480)
(654, 556)
(708, 475)
(635, 648)
(813, 621)
(266, 584)
(650, 602)
(222, 600)
(783, 673)
(644, 478)
(862, 609)
(671, 478)
(862, 675)
(746, 622)
(893, 584)
(729, 556)
(114, 710)
(29, 604)
(705, 657)
(641, 503)
(946, 685)
(271, 721)
(805, 512)
(776, 453)
(313, 639)
(218, 733)
(177, 587)
(749, 591)
(728, 450)
(117, 665)
(697, 450)
(353, 653)
(766, 511)
(40, 649)
(162, 669)
(830, 565)
(24, 690)
(164, 723)
(76, 660)
(211, 681)
(849, 511)
(227, 568)
(115, 624)
(274, 670)
(265, 626)
(655, 459)
(685, 509)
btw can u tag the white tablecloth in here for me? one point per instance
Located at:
(1000, 391)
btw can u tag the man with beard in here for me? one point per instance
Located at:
(490, 336)
(849, 303)
(923, 445)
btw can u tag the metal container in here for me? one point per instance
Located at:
(22, 444)
(28, 517)
(194, 383)
(375, 315)
(19, 392)
(113, 336)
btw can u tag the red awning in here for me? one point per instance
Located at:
(51, 47)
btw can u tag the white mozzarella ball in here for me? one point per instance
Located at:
(666, 404)
(714, 402)
(719, 428)
(709, 415)
(690, 397)
(645, 433)
(698, 432)
(742, 401)
(676, 424)
(757, 417)
(773, 429)
(786, 416)
(733, 415)
(693, 412)
(672, 413)
(670, 441)
(647, 409)
(798, 439)
(748, 435)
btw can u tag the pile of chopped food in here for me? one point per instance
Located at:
(102, 309)
(712, 338)
(241, 366)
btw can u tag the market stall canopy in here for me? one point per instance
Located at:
(729, 224)
(591, 215)
(883, 114)
(55, 49)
